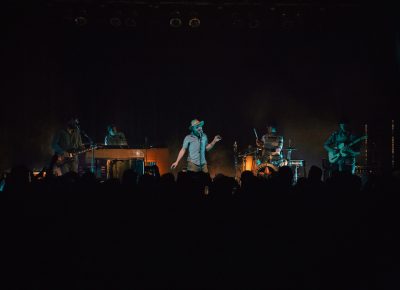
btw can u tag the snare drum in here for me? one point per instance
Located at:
(280, 163)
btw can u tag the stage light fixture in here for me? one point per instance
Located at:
(237, 21)
(81, 19)
(131, 19)
(287, 21)
(254, 23)
(130, 22)
(254, 19)
(175, 20)
(194, 20)
(115, 21)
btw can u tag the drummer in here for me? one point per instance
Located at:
(272, 144)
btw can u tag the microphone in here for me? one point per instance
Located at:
(255, 133)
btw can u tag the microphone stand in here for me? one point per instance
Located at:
(235, 159)
(145, 153)
(201, 141)
(92, 147)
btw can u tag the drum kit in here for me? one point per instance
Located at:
(253, 160)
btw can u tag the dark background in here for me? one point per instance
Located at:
(303, 67)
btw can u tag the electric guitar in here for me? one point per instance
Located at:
(341, 150)
(60, 160)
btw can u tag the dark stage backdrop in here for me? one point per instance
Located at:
(151, 81)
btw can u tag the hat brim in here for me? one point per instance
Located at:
(200, 124)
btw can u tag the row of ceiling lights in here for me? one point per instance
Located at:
(253, 19)
(118, 19)
(176, 20)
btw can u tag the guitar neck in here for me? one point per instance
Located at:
(83, 151)
(357, 140)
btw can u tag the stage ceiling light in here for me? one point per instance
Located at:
(115, 21)
(80, 20)
(194, 22)
(130, 22)
(254, 23)
(175, 20)
(237, 20)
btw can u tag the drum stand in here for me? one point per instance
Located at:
(289, 159)
(296, 174)
(92, 148)
(92, 159)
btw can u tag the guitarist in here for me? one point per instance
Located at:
(345, 162)
(65, 142)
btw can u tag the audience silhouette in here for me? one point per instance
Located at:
(150, 231)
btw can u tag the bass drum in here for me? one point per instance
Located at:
(250, 163)
(266, 169)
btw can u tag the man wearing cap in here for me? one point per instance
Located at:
(196, 143)
(115, 137)
(66, 141)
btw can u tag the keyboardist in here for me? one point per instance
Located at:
(115, 168)
(114, 137)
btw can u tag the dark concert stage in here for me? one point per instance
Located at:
(299, 66)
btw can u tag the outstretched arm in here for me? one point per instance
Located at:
(180, 155)
(212, 144)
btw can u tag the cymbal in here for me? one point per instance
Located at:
(289, 148)
(246, 154)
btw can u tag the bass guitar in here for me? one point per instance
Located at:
(342, 150)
